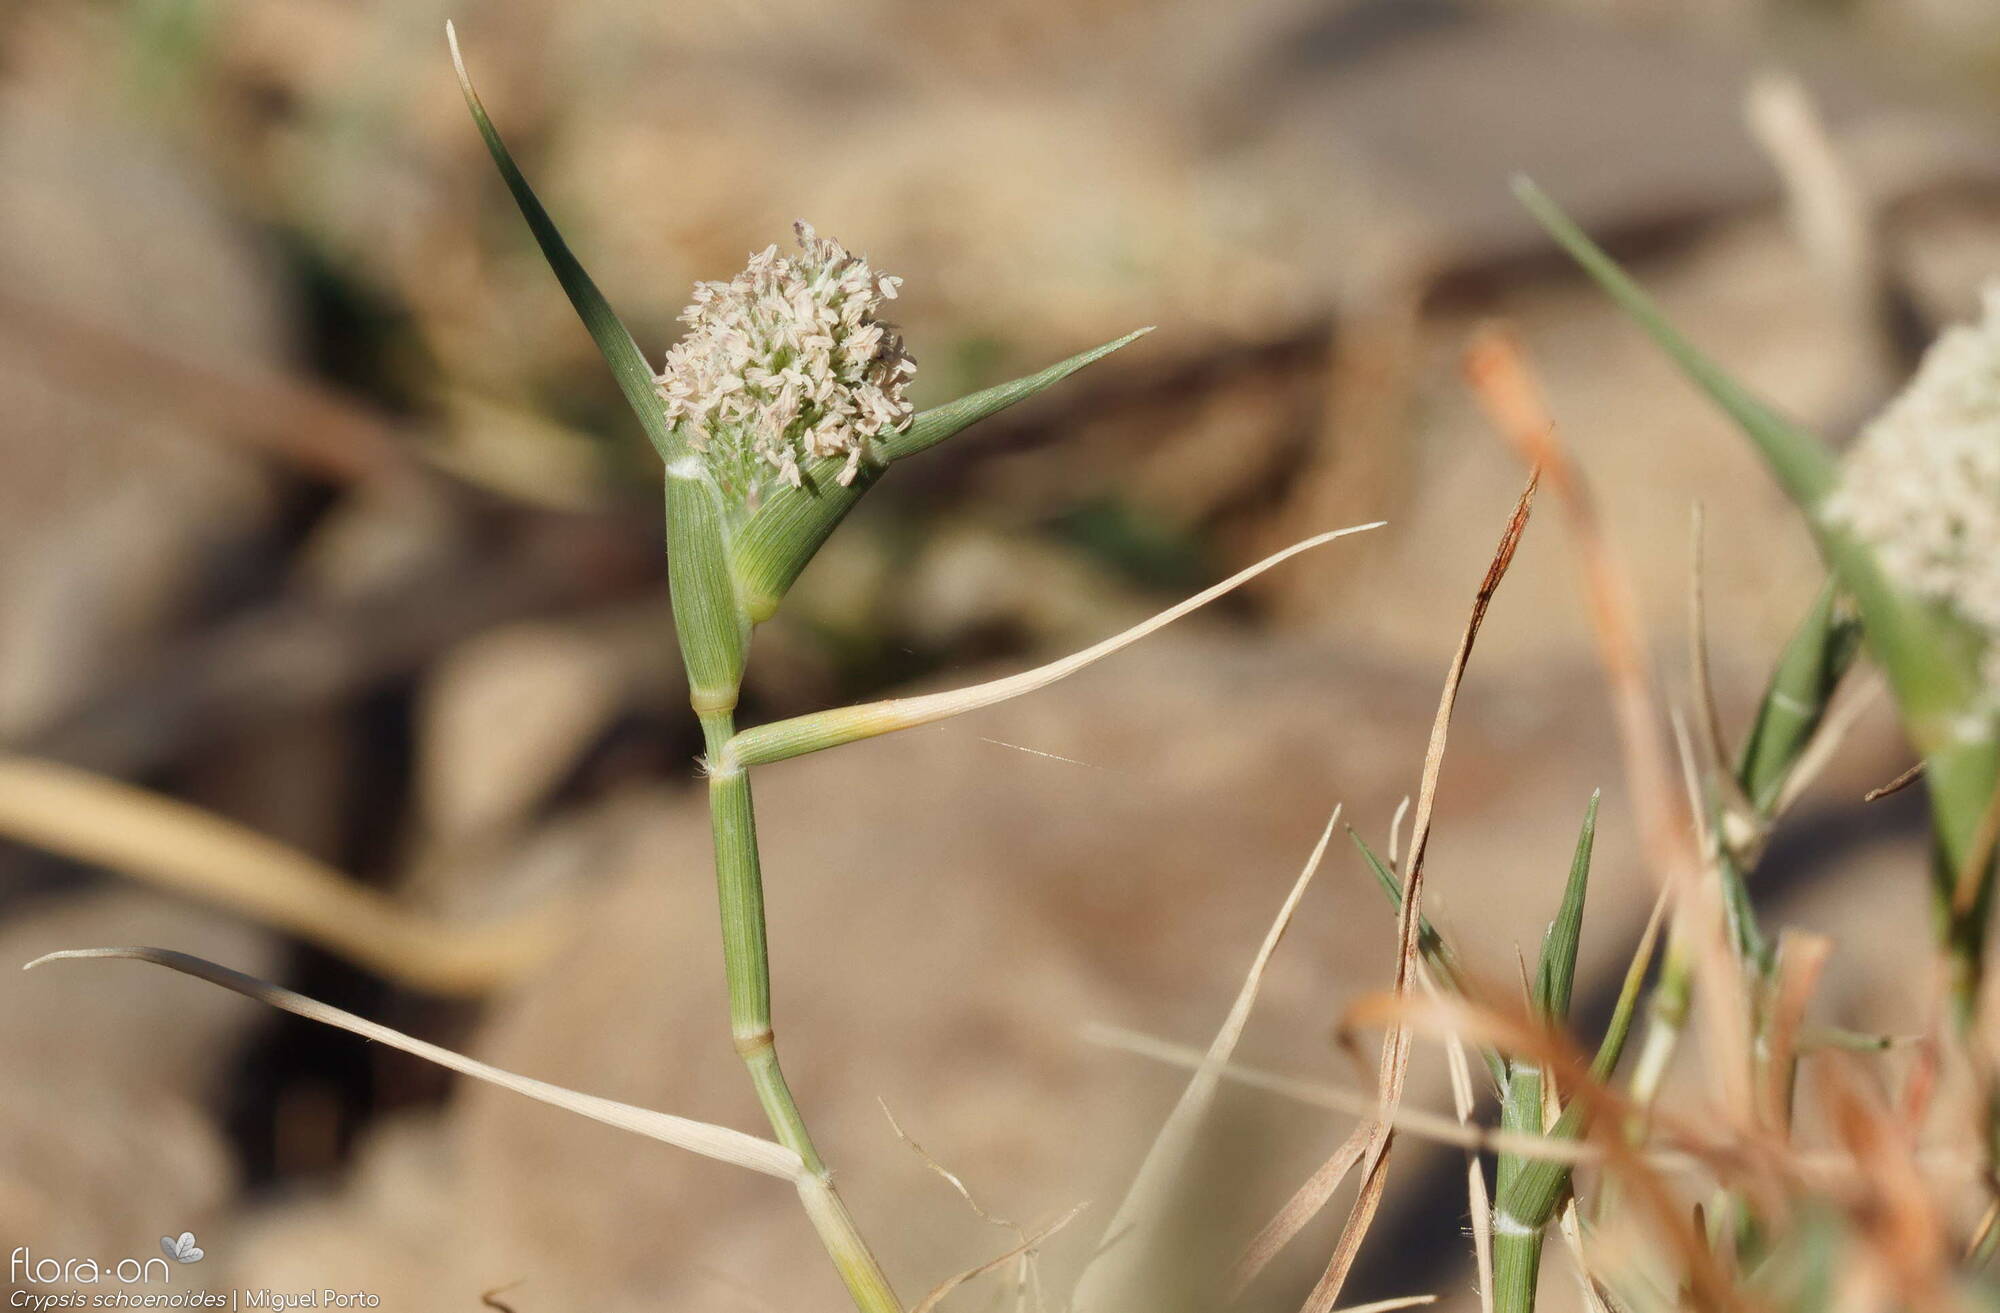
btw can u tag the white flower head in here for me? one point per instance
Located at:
(788, 361)
(1922, 484)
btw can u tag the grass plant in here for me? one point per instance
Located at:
(786, 401)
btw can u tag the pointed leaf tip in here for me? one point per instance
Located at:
(940, 422)
(1556, 975)
(614, 341)
(782, 538)
(718, 1142)
(1814, 661)
(1437, 953)
(1801, 462)
(781, 739)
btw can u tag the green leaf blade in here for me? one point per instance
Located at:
(1799, 459)
(713, 632)
(1533, 1190)
(773, 547)
(614, 340)
(1815, 659)
(1556, 976)
(776, 543)
(940, 422)
(1431, 945)
(1931, 657)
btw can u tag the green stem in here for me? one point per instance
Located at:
(746, 962)
(1517, 1265)
(1517, 1241)
(714, 631)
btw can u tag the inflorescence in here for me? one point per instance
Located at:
(1921, 486)
(785, 362)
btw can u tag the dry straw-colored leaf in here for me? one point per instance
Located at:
(710, 1141)
(1708, 715)
(1390, 1305)
(1028, 1244)
(1506, 389)
(1897, 785)
(1728, 1155)
(1571, 1226)
(1396, 1046)
(1891, 1208)
(782, 739)
(1841, 718)
(1801, 958)
(171, 845)
(1479, 1207)
(1832, 214)
(1423, 1124)
(1302, 1207)
(1120, 1266)
(1029, 1278)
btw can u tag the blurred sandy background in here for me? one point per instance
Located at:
(318, 512)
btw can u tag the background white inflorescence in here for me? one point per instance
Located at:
(788, 361)
(1922, 484)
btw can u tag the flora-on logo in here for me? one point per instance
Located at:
(25, 1267)
(182, 1249)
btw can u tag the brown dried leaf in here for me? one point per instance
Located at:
(1396, 1045)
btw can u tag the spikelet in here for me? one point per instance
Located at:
(785, 362)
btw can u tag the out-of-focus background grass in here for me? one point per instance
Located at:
(319, 513)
